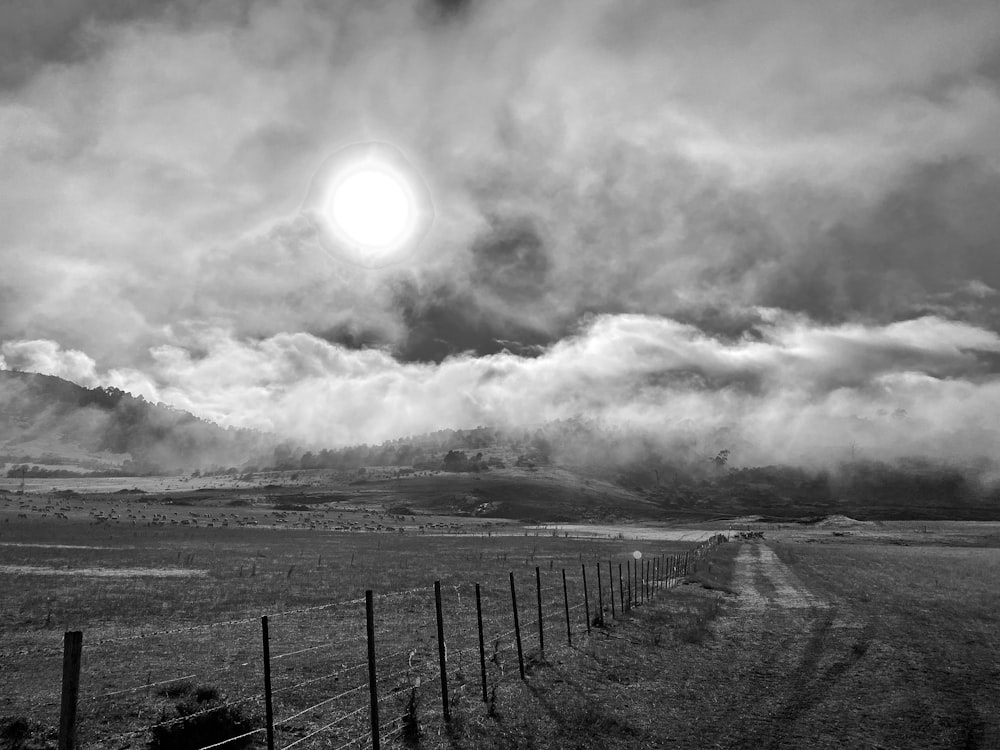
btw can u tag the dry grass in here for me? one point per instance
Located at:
(140, 630)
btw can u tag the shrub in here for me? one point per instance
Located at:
(211, 720)
(19, 733)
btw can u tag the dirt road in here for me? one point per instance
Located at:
(801, 647)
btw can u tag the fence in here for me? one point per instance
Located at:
(324, 674)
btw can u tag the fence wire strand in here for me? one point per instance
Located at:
(232, 739)
(313, 707)
(311, 680)
(326, 727)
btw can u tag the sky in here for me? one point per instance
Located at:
(771, 224)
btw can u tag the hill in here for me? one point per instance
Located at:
(60, 427)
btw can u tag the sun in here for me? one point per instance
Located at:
(373, 208)
(369, 205)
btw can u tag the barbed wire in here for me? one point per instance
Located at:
(181, 719)
(55, 650)
(232, 739)
(421, 682)
(311, 680)
(137, 688)
(328, 726)
(238, 621)
(331, 645)
(314, 608)
(171, 631)
(313, 707)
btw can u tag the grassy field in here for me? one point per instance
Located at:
(834, 634)
(168, 607)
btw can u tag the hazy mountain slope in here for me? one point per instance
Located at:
(51, 420)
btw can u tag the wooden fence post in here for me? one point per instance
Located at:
(482, 645)
(541, 624)
(517, 626)
(621, 590)
(442, 658)
(586, 597)
(569, 632)
(372, 678)
(268, 705)
(72, 656)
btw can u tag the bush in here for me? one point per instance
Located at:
(19, 733)
(211, 720)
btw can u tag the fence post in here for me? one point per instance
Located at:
(268, 706)
(541, 624)
(586, 598)
(442, 659)
(72, 655)
(372, 683)
(600, 595)
(636, 582)
(569, 632)
(482, 646)
(517, 626)
(641, 582)
(644, 579)
(628, 581)
(621, 590)
(611, 586)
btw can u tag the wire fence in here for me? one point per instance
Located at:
(322, 676)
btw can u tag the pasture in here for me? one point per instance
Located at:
(166, 596)
(836, 634)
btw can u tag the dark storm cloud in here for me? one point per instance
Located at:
(66, 32)
(447, 11)
(936, 232)
(442, 320)
(510, 260)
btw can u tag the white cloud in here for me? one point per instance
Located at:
(48, 358)
(770, 398)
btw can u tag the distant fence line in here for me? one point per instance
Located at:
(402, 673)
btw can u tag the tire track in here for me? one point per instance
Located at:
(800, 647)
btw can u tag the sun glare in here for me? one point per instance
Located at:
(369, 205)
(372, 208)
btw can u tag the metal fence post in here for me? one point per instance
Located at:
(372, 677)
(541, 624)
(442, 658)
(482, 646)
(517, 626)
(72, 656)
(268, 706)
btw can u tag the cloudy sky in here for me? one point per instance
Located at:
(770, 222)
